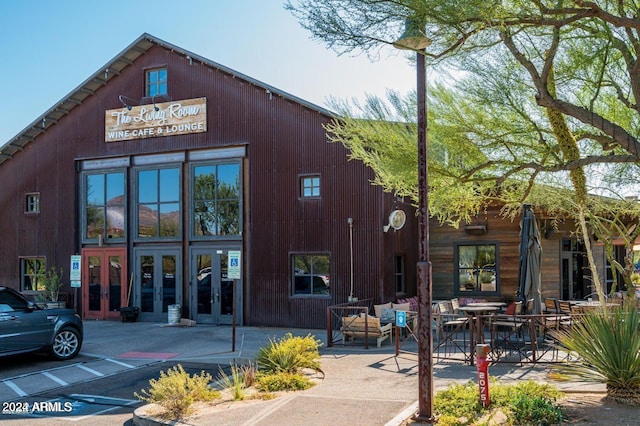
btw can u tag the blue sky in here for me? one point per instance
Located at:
(49, 47)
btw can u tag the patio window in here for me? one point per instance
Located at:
(476, 268)
(32, 273)
(310, 275)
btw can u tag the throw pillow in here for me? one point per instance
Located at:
(387, 314)
(401, 306)
(378, 308)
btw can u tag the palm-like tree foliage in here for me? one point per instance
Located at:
(607, 342)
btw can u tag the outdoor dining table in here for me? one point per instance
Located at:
(592, 303)
(498, 304)
(476, 329)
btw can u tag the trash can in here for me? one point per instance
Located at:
(174, 314)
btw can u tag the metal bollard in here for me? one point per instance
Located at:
(482, 366)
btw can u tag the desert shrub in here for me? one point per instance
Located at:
(507, 395)
(176, 391)
(458, 400)
(242, 377)
(536, 410)
(282, 381)
(607, 343)
(235, 383)
(526, 402)
(248, 372)
(290, 354)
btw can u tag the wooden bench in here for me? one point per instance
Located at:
(356, 327)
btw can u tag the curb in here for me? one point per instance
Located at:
(405, 414)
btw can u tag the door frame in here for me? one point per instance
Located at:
(216, 317)
(137, 282)
(104, 253)
(573, 275)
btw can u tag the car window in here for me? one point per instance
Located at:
(13, 301)
(5, 308)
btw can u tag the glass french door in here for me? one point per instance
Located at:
(104, 282)
(213, 292)
(158, 282)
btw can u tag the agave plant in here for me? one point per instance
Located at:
(607, 343)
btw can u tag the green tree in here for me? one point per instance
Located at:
(542, 95)
(590, 46)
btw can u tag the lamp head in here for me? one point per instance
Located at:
(414, 37)
(123, 102)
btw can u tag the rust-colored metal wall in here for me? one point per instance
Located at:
(284, 139)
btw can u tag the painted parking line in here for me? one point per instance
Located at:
(33, 384)
(91, 370)
(124, 364)
(15, 388)
(54, 378)
(148, 355)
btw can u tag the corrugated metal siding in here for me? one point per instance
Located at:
(295, 145)
(284, 140)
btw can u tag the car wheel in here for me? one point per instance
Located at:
(66, 343)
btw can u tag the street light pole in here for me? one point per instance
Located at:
(425, 338)
(414, 38)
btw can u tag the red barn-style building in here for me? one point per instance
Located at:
(179, 181)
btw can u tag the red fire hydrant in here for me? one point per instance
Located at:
(483, 373)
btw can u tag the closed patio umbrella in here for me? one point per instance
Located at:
(529, 285)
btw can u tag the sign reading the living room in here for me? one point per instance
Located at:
(156, 120)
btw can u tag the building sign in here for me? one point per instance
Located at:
(143, 121)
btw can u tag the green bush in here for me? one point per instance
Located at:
(537, 410)
(290, 354)
(176, 391)
(522, 403)
(282, 381)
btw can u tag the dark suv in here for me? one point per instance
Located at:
(24, 327)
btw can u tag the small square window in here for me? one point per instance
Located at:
(310, 186)
(156, 82)
(32, 203)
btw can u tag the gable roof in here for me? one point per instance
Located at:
(112, 69)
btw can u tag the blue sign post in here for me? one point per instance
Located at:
(401, 319)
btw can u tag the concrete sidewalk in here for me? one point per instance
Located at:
(361, 386)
